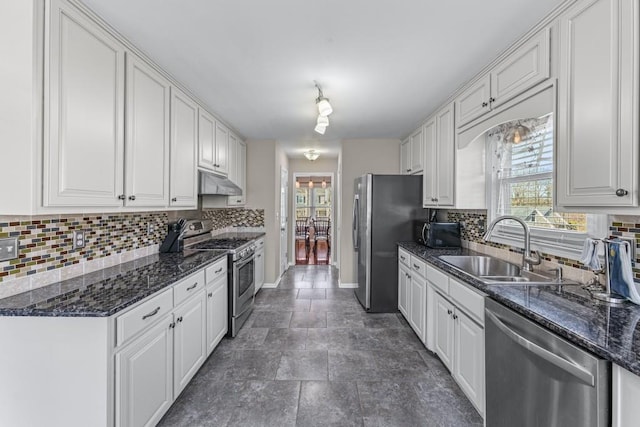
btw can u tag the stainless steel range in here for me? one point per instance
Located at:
(197, 237)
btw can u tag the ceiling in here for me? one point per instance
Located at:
(384, 64)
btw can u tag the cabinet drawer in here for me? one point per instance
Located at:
(216, 270)
(139, 318)
(438, 279)
(404, 257)
(471, 301)
(188, 287)
(419, 266)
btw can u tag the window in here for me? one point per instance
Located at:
(520, 156)
(314, 202)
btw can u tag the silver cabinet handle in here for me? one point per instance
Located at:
(416, 266)
(218, 271)
(132, 197)
(179, 319)
(558, 361)
(492, 99)
(153, 313)
(449, 312)
(210, 294)
(175, 199)
(484, 104)
(122, 197)
(621, 192)
(402, 258)
(455, 316)
(192, 286)
(172, 325)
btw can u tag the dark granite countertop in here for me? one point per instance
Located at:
(611, 332)
(106, 292)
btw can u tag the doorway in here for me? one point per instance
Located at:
(284, 194)
(313, 202)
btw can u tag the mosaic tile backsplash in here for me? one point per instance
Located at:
(234, 217)
(46, 242)
(476, 223)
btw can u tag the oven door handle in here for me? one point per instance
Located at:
(242, 262)
(558, 361)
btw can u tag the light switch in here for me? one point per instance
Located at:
(8, 248)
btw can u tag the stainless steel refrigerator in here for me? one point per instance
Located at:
(384, 207)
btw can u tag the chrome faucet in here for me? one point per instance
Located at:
(528, 261)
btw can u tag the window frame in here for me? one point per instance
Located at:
(562, 243)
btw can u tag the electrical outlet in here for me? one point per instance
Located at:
(8, 248)
(78, 239)
(150, 228)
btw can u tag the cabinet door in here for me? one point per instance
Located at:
(222, 149)
(144, 372)
(444, 330)
(405, 157)
(417, 152)
(597, 162)
(190, 346)
(523, 69)
(259, 272)
(206, 140)
(242, 171)
(418, 305)
(147, 136)
(468, 368)
(217, 306)
(446, 149)
(84, 112)
(473, 102)
(404, 280)
(184, 132)
(430, 173)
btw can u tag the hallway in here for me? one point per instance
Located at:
(310, 356)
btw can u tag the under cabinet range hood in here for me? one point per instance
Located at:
(215, 184)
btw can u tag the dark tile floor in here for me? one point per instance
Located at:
(310, 356)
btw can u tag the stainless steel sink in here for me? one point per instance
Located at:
(494, 271)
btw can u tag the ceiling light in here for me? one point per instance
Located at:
(324, 109)
(324, 184)
(323, 121)
(297, 184)
(310, 183)
(311, 154)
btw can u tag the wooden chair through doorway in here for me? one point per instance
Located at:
(302, 234)
(322, 234)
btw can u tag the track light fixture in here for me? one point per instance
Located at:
(324, 109)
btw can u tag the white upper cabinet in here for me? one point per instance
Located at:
(184, 131)
(597, 164)
(238, 170)
(213, 143)
(84, 112)
(405, 157)
(222, 149)
(412, 154)
(525, 67)
(438, 177)
(147, 136)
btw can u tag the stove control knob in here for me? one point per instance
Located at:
(192, 227)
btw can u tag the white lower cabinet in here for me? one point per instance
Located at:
(624, 395)
(190, 348)
(444, 330)
(418, 302)
(404, 282)
(459, 338)
(154, 363)
(217, 306)
(259, 266)
(468, 350)
(144, 377)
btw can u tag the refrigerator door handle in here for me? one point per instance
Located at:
(355, 222)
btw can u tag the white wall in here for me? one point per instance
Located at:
(361, 156)
(264, 159)
(329, 165)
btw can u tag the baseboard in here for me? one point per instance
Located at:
(348, 285)
(271, 285)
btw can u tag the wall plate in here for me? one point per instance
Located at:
(8, 248)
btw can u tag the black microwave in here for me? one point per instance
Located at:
(437, 234)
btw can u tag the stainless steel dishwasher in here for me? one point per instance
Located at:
(536, 378)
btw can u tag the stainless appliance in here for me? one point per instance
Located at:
(536, 378)
(437, 234)
(384, 207)
(195, 235)
(241, 268)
